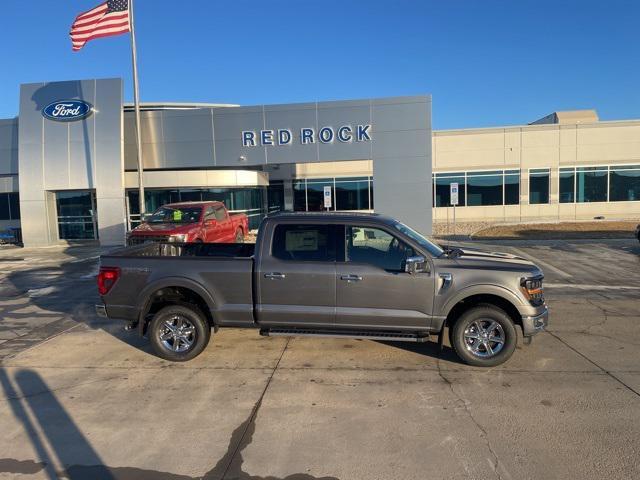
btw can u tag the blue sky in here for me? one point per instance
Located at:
(486, 63)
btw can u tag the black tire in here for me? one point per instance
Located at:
(239, 236)
(470, 344)
(190, 341)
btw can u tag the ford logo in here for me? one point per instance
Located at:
(67, 110)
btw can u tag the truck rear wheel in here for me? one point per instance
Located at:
(484, 336)
(179, 332)
(239, 236)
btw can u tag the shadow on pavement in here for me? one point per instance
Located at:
(427, 349)
(44, 300)
(31, 398)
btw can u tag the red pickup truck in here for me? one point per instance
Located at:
(188, 222)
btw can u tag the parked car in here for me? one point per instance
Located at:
(341, 275)
(191, 222)
(10, 236)
(638, 232)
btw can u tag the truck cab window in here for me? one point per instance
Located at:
(376, 247)
(208, 214)
(219, 213)
(303, 243)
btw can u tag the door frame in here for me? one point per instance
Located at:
(343, 264)
(272, 263)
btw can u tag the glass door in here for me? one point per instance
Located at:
(77, 216)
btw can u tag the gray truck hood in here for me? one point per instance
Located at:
(473, 258)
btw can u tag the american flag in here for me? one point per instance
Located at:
(107, 19)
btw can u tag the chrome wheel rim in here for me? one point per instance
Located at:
(484, 338)
(177, 333)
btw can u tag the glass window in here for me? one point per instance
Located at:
(567, 184)
(299, 196)
(5, 211)
(209, 214)
(249, 202)
(14, 205)
(352, 194)
(180, 215)
(190, 195)
(376, 247)
(303, 243)
(591, 184)
(76, 231)
(539, 185)
(76, 215)
(511, 187)
(154, 199)
(219, 213)
(624, 183)
(315, 194)
(217, 195)
(433, 248)
(484, 188)
(275, 196)
(240, 199)
(134, 205)
(442, 189)
(348, 193)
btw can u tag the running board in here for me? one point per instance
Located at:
(361, 334)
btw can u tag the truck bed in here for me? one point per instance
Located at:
(166, 249)
(221, 273)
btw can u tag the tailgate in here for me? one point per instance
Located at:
(224, 284)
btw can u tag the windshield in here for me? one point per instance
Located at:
(175, 215)
(433, 248)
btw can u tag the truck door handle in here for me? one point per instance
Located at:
(274, 275)
(351, 278)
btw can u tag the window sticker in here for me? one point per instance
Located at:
(301, 240)
(177, 215)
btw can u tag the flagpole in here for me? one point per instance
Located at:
(136, 104)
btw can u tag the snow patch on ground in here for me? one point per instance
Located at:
(41, 292)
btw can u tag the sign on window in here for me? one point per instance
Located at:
(301, 240)
(327, 196)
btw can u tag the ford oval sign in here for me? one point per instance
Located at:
(67, 110)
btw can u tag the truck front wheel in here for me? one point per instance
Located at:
(179, 332)
(484, 336)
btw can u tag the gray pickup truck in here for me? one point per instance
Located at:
(349, 275)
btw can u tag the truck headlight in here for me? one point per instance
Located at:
(533, 291)
(178, 238)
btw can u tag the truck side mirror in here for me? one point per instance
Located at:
(415, 265)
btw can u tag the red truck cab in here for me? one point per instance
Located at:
(188, 222)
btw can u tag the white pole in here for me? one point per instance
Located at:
(454, 222)
(136, 102)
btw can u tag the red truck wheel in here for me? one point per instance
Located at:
(239, 236)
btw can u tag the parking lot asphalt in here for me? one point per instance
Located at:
(83, 399)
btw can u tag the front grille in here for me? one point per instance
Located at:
(139, 240)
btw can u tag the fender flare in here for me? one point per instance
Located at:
(165, 282)
(482, 289)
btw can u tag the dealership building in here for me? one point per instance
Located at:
(68, 162)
